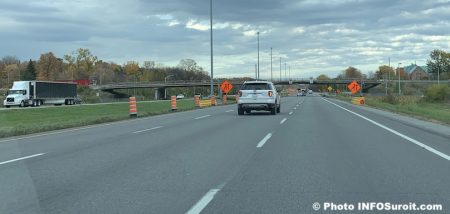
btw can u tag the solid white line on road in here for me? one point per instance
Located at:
(22, 158)
(203, 202)
(231, 110)
(284, 120)
(291, 113)
(264, 140)
(146, 130)
(445, 156)
(205, 116)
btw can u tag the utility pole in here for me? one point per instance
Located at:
(256, 72)
(285, 74)
(439, 66)
(280, 69)
(212, 67)
(271, 67)
(389, 73)
(385, 83)
(289, 73)
(258, 57)
(398, 70)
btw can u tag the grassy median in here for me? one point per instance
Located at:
(409, 105)
(26, 121)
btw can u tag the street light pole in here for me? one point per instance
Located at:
(280, 69)
(285, 76)
(257, 78)
(439, 66)
(398, 70)
(289, 73)
(212, 66)
(271, 68)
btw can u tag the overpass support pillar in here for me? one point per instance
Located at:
(159, 93)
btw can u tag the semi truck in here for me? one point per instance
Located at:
(37, 93)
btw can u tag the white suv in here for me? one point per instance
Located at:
(258, 95)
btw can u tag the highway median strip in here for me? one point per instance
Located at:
(16, 122)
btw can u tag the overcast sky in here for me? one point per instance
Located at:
(311, 36)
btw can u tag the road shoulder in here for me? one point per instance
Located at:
(435, 128)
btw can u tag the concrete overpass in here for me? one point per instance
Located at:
(161, 86)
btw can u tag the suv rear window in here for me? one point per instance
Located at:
(256, 86)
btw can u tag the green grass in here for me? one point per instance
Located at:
(415, 107)
(27, 121)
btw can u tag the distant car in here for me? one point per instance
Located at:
(301, 92)
(310, 91)
(180, 96)
(259, 96)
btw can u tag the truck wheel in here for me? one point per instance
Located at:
(22, 104)
(248, 111)
(35, 103)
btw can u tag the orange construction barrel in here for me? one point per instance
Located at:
(197, 101)
(224, 99)
(133, 107)
(213, 100)
(173, 103)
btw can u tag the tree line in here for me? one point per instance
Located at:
(439, 61)
(82, 64)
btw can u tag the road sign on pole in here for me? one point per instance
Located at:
(226, 87)
(354, 87)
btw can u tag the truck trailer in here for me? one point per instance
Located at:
(37, 93)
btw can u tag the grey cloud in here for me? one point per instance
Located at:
(336, 33)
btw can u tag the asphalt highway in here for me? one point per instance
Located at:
(317, 150)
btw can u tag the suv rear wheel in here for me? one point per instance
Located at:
(273, 110)
(240, 111)
(279, 109)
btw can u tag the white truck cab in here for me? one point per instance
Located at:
(18, 95)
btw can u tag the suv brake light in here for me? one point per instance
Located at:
(240, 93)
(270, 93)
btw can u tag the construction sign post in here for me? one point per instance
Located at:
(226, 87)
(354, 87)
